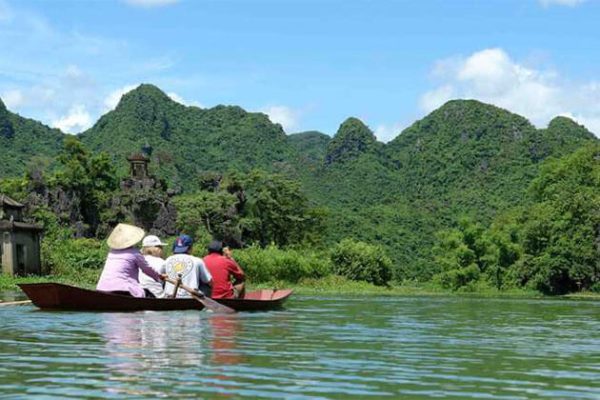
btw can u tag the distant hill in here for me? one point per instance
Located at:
(187, 140)
(22, 140)
(469, 155)
(466, 158)
(310, 146)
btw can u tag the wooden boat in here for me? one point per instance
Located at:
(56, 296)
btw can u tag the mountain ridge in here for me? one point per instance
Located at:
(465, 158)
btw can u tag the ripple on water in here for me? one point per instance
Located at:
(319, 347)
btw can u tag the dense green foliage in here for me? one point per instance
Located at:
(352, 140)
(256, 207)
(360, 261)
(186, 141)
(78, 260)
(25, 143)
(561, 230)
(471, 254)
(552, 245)
(276, 264)
(467, 196)
(464, 159)
(90, 178)
(309, 147)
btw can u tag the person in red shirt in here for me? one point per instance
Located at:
(223, 269)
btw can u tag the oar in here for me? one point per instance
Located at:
(177, 284)
(15, 303)
(207, 301)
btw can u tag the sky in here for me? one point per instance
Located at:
(307, 64)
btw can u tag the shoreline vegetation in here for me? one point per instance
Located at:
(525, 253)
(469, 199)
(333, 285)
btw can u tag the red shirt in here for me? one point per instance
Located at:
(222, 269)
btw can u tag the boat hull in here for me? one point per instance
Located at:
(57, 296)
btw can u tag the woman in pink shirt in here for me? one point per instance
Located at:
(123, 263)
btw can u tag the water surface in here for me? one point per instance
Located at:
(318, 347)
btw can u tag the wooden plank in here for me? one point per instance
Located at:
(15, 303)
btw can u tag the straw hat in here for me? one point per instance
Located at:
(124, 236)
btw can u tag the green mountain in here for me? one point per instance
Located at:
(466, 158)
(472, 157)
(352, 139)
(310, 147)
(25, 141)
(185, 141)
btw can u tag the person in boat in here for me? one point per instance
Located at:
(190, 269)
(224, 270)
(123, 263)
(152, 250)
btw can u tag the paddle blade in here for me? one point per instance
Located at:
(215, 306)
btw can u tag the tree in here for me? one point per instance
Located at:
(256, 207)
(471, 253)
(276, 211)
(561, 232)
(91, 179)
(360, 261)
(215, 212)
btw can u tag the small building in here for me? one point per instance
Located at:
(138, 164)
(19, 241)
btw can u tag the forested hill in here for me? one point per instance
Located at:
(468, 155)
(187, 140)
(466, 158)
(310, 147)
(23, 141)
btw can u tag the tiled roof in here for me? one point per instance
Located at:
(8, 225)
(5, 200)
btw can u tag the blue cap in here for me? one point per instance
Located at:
(182, 244)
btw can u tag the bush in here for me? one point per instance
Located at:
(80, 260)
(359, 261)
(460, 277)
(275, 264)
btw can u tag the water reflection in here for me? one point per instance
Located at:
(317, 348)
(224, 336)
(146, 344)
(141, 344)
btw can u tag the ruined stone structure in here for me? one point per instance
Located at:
(145, 200)
(19, 241)
(138, 166)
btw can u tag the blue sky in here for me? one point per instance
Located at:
(308, 64)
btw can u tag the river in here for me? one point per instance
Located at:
(317, 347)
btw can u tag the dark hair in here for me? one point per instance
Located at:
(216, 246)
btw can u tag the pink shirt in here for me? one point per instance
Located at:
(121, 272)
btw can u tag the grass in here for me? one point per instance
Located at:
(10, 282)
(329, 285)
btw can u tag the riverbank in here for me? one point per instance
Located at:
(330, 285)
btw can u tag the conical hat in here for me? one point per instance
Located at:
(124, 236)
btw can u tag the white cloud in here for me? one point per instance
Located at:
(113, 98)
(568, 3)
(385, 133)
(150, 3)
(492, 76)
(175, 97)
(282, 115)
(13, 98)
(77, 120)
(34, 96)
(436, 97)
